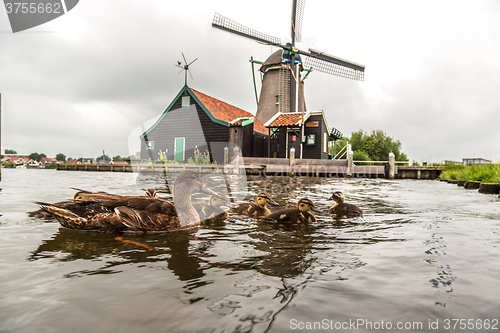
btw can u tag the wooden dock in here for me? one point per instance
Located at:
(274, 166)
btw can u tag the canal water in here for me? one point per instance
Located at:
(425, 257)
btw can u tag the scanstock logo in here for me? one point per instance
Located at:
(27, 14)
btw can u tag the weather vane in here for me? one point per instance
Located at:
(185, 68)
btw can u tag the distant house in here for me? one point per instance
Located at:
(475, 161)
(118, 163)
(197, 122)
(45, 160)
(89, 160)
(19, 160)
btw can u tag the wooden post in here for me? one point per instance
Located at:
(392, 164)
(226, 158)
(0, 132)
(350, 163)
(236, 160)
(292, 161)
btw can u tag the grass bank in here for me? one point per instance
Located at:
(482, 173)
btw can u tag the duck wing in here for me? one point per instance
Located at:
(75, 218)
(142, 221)
(284, 215)
(251, 209)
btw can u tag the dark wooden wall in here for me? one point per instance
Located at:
(194, 125)
(315, 151)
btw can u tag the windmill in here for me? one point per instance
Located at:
(185, 68)
(282, 86)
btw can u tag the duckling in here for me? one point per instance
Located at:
(115, 213)
(257, 208)
(341, 208)
(213, 210)
(300, 214)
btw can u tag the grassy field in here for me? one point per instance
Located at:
(483, 173)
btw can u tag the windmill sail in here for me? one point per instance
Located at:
(226, 24)
(297, 15)
(282, 86)
(329, 64)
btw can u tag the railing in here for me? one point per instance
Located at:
(344, 151)
(383, 162)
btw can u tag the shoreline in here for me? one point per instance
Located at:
(483, 178)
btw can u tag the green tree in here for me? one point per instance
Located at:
(10, 151)
(61, 157)
(7, 164)
(36, 156)
(118, 158)
(103, 157)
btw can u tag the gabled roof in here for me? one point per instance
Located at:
(218, 111)
(285, 119)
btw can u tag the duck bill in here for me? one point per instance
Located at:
(274, 203)
(229, 204)
(209, 190)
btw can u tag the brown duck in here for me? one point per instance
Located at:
(115, 213)
(301, 214)
(78, 197)
(213, 210)
(343, 209)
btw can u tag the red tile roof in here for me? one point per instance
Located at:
(226, 112)
(286, 119)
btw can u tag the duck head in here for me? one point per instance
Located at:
(151, 193)
(305, 205)
(338, 197)
(263, 199)
(187, 183)
(219, 200)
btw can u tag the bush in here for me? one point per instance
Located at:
(50, 166)
(7, 164)
(482, 173)
(359, 155)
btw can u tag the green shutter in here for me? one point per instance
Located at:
(179, 149)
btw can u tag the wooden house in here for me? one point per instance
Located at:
(307, 133)
(197, 123)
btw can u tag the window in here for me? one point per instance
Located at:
(150, 145)
(277, 99)
(325, 142)
(186, 101)
(311, 139)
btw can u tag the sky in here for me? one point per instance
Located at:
(89, 80)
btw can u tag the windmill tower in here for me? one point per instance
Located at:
(282, 86)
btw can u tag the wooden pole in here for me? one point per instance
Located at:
(350, 162)
(236, 160)
(292, 162)
(392, 165)
(0, 132)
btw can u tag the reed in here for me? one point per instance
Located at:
(483, 173)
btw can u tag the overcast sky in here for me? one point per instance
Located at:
(86, 81)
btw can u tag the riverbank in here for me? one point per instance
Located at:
(484, 178)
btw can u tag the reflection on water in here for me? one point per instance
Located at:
(423, 251)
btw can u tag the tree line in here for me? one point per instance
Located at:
(373, 146)
(62, 158)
